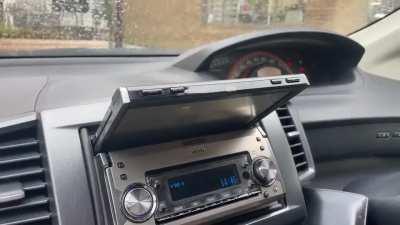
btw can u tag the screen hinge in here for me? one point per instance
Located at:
(104, 160)
(262, 131)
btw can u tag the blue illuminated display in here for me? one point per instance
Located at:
(204, 181)
(228, 181)
(177, 184)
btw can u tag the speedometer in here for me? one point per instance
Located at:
(258, 64)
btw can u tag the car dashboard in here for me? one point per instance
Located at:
(52, 107)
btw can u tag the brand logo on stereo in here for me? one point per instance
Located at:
(199, 149)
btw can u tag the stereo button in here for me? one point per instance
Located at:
(292, 80)
(177, 90)
(246, 175)
(211, 199)
(245, 165)
(178, 208)
(276, 81)
(139, 203)
(195, 204)
(237, 191)
(151, 92)
(265, 171)
(162, 207)
(226, 195)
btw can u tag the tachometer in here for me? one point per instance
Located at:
(258, 64)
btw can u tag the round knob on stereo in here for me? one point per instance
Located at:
(138, 203)
(265, 171)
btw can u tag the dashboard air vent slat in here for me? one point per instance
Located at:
(35, 201)
(296, 145)
(34, 217)
(293, 137)
(285, 117)
(34, 185)
(18, 144)
(289, 126)
(29, 171)
(299, 165)
(298, 154)
(21, 163)
(19, 158)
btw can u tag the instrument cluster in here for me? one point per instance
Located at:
(258, 63)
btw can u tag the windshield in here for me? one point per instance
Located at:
(29, 25)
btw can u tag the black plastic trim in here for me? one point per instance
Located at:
(98, 204)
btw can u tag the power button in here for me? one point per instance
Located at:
(138, 203)
(151, 92)
(177, 90)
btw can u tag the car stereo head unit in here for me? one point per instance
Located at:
(192, 153)
(199, 181)
(156, 114)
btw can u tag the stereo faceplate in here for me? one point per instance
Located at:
(165, 161)
(202, 185)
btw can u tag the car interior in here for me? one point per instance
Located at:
(282, 126)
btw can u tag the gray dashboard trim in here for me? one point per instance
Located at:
(98, 207)
(331, 207)
(374, 100)
(282, 152)
(18, 91)
(7, 125)
(354, 140)
(289, 216)
(66, 164)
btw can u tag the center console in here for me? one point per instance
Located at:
(204, 162)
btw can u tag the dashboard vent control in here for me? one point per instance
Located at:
(10, 192)
(23, 188)
(293, 137)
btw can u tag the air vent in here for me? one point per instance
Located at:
(23, 188)
(293, 137)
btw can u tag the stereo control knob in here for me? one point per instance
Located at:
(138, 203)
(265, 171)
